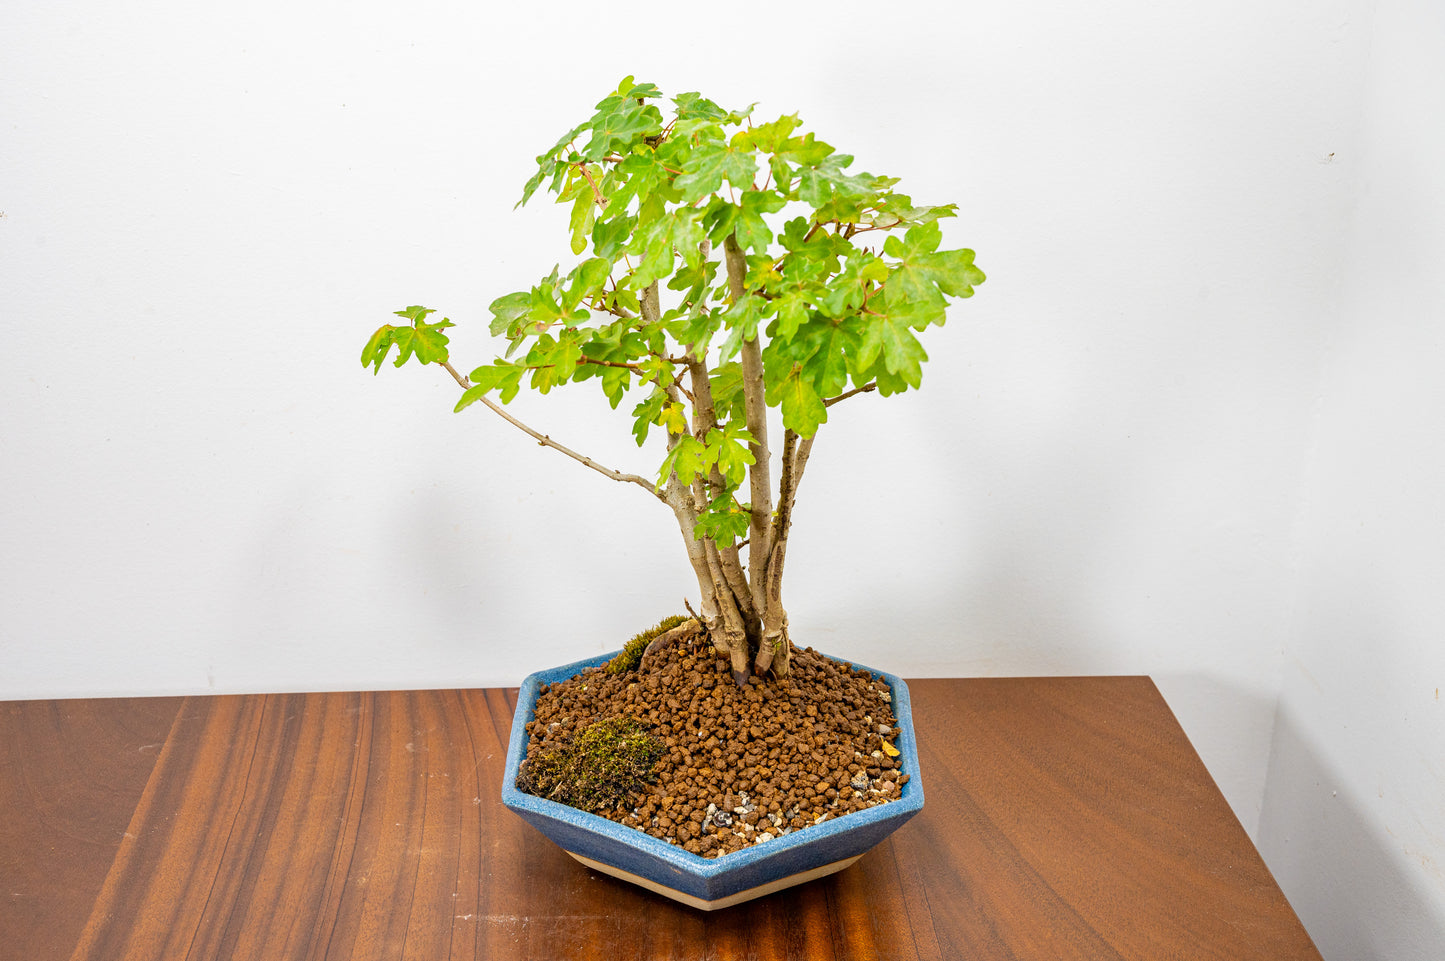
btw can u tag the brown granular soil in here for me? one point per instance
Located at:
(742, 765)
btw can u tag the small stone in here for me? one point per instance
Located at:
(860, 781)
(764, 836)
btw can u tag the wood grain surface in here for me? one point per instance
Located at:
(1065, 818)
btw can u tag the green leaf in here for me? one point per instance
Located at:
(829, 345)
(647, 413)
(424, 341)
(588, 278)
(893, 340)
(619, 122)
(767, 136)
(507, 310)
(709, 165)
(415, 314)
(615, 381)
(685, 459)
(926, 273)
(547, 165)
(804, 151)
(728, 449)
(639, 176)
(792, 313)
(609, 237)
(496, 376)
(897, 210)
(752, 230)
(727, 392)
(742, 320)
(724, 520)
(694, 106)
(638, 91)
(674, 418)
(802, 408)
(553, 360)
(378, 347)
(584, 215)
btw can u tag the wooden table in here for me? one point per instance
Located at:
(1065, 818)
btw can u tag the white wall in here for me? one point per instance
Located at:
(207, 210)
(1353, 823)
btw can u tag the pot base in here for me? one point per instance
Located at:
(720, 903)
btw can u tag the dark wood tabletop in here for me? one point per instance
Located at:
(1065, 818)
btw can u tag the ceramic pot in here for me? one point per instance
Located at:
(710, 883)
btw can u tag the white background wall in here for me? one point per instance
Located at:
(1125, 459)
(1353, 823)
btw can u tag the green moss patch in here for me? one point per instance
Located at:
(631, 653)
(607, 764)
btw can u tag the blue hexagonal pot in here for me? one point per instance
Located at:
(709, 884)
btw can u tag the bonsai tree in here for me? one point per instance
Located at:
(724, 268)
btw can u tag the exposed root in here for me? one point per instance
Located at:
(685, 631)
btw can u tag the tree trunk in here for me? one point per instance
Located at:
(741, 611)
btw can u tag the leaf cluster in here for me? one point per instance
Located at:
(655, 198)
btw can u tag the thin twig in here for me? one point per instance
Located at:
(609, 363)
(546, 441)
(596, 192)
(622, 312)
(867, 388)
(460, 379)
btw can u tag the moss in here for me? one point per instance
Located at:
(631, 654)
(607, 764)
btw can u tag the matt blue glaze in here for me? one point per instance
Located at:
(629, 849)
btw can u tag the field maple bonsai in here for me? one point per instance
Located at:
(726, 268)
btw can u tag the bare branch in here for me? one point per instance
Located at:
(546, 441)
(800, 461)
(773, 651)
(785, 486)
